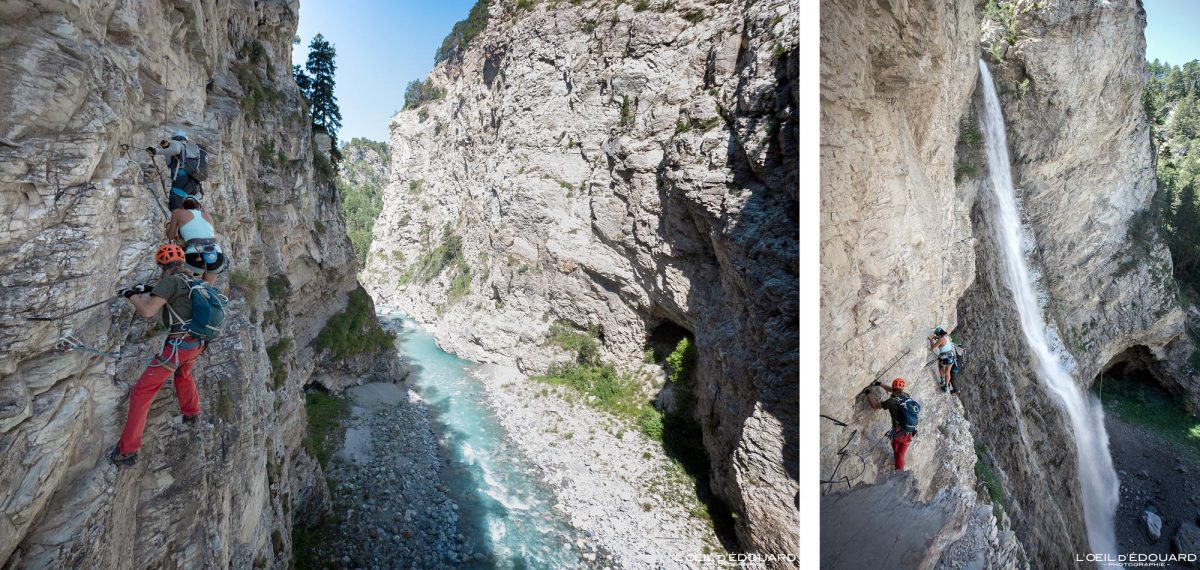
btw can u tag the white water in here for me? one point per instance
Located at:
(1101, 488)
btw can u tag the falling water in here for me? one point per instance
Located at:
(1097, 478)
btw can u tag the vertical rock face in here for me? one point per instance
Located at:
(894, 81)
(1083, 169)
(78, 220)
(622, 167)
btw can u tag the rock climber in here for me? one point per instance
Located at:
(202, 253)
(904, 411)
(183, 183)
(170, 298)
(941, 344)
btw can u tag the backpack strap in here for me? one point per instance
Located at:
(175, 319)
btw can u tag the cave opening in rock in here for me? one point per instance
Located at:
(674, 348)
(1155, 445)
(664, 337)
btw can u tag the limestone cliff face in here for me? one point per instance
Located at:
(1083, 169)
(78, 220)
(904, 247)
(895, 256)
(622, 169)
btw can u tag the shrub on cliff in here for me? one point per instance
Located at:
(419, 92)
(462, 33)
(355, 330)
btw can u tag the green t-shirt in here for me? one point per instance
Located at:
(178, 295)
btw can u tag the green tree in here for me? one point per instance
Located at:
(303, 81)
(462, 33)
(321, 67)
(419, 92)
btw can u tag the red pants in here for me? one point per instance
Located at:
(177, 358)
(900, 447)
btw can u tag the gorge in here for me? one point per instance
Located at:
(598, 202)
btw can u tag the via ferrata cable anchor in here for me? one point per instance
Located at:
(71, 342)
(125, 149)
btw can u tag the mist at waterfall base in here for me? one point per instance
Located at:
(1097, 478)
(501, 502)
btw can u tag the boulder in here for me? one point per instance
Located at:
(1152, 523)
(1187, 542)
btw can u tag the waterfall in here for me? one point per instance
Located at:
(1101, 488)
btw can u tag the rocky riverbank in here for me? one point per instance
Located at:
(391, 507)
(613, 484)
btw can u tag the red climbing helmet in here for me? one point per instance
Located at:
(167, 253)
(898, 384)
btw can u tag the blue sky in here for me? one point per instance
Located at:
(1171, 30)
(381, 46)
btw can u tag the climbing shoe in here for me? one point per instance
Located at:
(191, 419)
(119, 460)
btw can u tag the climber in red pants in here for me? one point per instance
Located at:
(904, 411)
(172, 298)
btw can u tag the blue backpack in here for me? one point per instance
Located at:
(909, 409)
(208, 310)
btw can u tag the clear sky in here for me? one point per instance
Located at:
(381, 46)
(1172, 30)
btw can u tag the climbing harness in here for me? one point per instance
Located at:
(108, 300)
(71, 342)
(125, 149)
(172, 359)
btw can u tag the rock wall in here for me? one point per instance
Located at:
(619, 168)
(905, 246)
(78, 219)
(1083, 168)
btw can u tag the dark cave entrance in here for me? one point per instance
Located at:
(673, 347)
(1154, 441)
(664, 337)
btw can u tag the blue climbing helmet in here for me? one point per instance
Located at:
(179, 135)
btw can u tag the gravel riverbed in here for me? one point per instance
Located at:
(612, 483)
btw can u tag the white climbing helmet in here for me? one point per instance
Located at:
(179, 135)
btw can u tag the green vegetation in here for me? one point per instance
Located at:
(1151, 407)
(524, 4)
(266, 152)
(256, 95)
(583, 343)
(985, 475)
(360, 188)
(380, 148)
(694, 16)
(419, 92)
(446, 254)
(1005, 13)
(278, 287)
(461, 284)
(463, 32)
(324, 168)
(626, 112)
(1172, 103)
(279, 374)
(681, 363)
(355, 330)
(243, 281)
(641, 6)
(325, 413)
(968, 163)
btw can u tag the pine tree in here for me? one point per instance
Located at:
(321, 67)
(303, 81)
